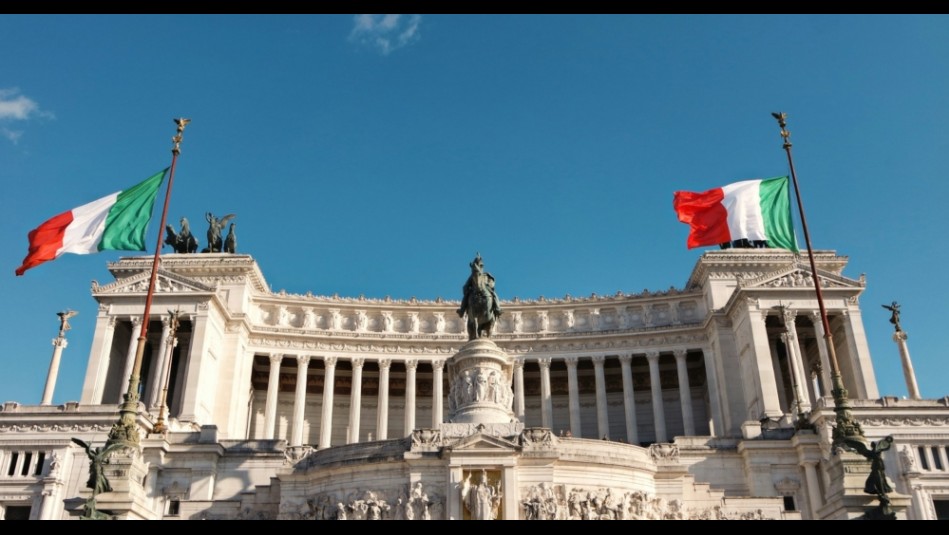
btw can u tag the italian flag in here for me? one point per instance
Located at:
(756, 210)
(115, 222)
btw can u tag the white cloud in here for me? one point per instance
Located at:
(17, 107)
(12, 135)
(385, 32)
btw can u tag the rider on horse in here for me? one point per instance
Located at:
(479, 284)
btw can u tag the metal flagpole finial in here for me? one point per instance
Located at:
(182, 123)
(782, 119)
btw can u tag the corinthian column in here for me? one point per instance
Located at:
(911, 386)
(273, 390)
(629, 399)
(655, 385)
(410, 366)
(130, 356)
(355, 400)
(825, 384)
(685, 392)
(519, 390)
(438, 392)
(573, 391)
(602, 417)
(158, 365)
(382, 411)
(546, 404)
(326, 421)
(59, 343)
(797, 361)
(299, 401)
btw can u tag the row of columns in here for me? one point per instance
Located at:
(355, 406)
(629, 400)
(382, 418)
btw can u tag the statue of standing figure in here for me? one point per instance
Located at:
(877, 483)
(482, 500)
(895, 315)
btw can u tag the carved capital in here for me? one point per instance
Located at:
(384, 364)
(680, 353)
(303, 360)
(136, 320)
(411, 364)
(358, 362)
(572, 361)
(275, 359)
(330, 362)
(652, 355)
(110, 322)
(788, 314)
(438, 365)
(598, 360)
(544, 363)
(626, 359)
(519, 365)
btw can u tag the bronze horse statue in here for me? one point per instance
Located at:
(181, 242)
(480, 302)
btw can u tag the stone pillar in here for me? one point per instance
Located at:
(602, 417)
(438, 393)
(60, 343)
(714, 394)
(768, 401)
(825, 383)
(629, 399)
(382, 411)
(685, 392)
(158, 364)
(778, 374)
(920, 500)
(273, 391)
(355, 401)
(326, 421)
(799, 395)
(900, 338)
(797, 360)
(130, 356)
(546, 404)
(100, 356)
(813, 488)
(410, 366)
(573, 392)
(299, 401)
(859, 352)
(519, 390)
(655, 385)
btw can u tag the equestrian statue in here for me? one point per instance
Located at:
(479, 303)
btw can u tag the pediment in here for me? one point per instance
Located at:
(165, 282)
(481, 442)
(800, 276)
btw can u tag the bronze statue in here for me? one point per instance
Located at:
(64, 321)
(181, 242)
(216, 225)
(98, 482)
(480, 302)
(230, 242)
(895, 316)
(98, 458)
(877, 482)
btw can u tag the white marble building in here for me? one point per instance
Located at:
(677, 403)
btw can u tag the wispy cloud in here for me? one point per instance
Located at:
(385, 32)
(15, 107)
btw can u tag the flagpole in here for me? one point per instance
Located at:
(847, 427)
(126, 431)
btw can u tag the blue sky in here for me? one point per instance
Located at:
(373, 155)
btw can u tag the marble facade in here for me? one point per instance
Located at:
(672, 404)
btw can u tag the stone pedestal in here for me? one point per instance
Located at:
(845, 497)
(480, 377)
(127, 501)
